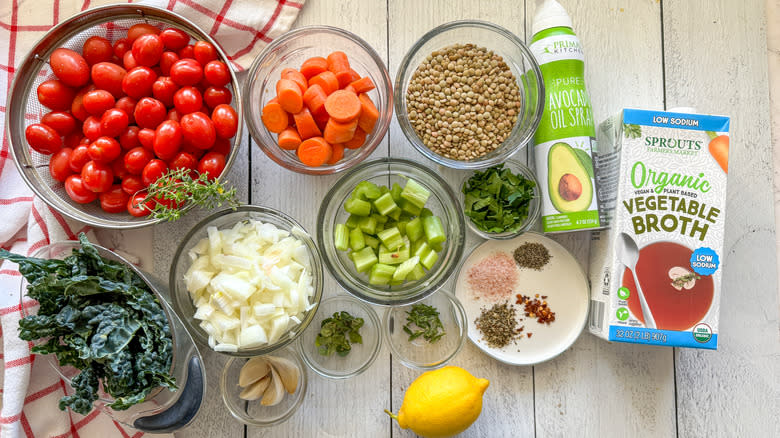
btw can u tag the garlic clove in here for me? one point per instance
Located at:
(288, 372)
(252, 371)
(275, 391)
(255, 390)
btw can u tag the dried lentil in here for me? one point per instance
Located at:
(497, 324)
(532, 255)
(463, 101)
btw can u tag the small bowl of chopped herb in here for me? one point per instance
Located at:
(428, 334)
(343, 340)
(501, 202)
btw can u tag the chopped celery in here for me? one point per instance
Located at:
(389, 257)
(405, 268)
(352, 221)
(415, 193)
(366, 190)
(414, 229)
(357, 207)
(385, 204)
(391, 238)
(417, 273)
(410, 208)
(437, 246)
(371, 241)
(356, 240)
(420, 247)
(364, 259)
(395, 191)
(434, 231)
(341, 237)
(402, 226)
(429, 259)
(395, 213)
(381, 274)
(425, 212)
(383, 190)
(367, 225)
(379, 218)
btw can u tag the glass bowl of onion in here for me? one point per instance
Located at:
(246, 281)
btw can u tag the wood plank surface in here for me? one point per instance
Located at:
(741, 381)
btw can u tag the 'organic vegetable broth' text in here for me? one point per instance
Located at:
(656, 270)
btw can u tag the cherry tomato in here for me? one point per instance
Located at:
(138, 82)
(74, 186)
(174, 114)
(186, 72)
(91, 128)
(149, 112)
(214, 96)
(136, 159)
(96, 102)
(118, 167)
(73, 139)
(128, 61)
(167, 59)
(59, 169)
(212, 163)
(108, 76)
(204, 52)
(187, 52)
(192, 150)
(137, 208)
(77, 107)
(104, 150)
(153, 171)
(183, 160)
(43, 139)
(167, 139)
(97, 49)
(222, 146)
(121, 46)
(225, 121)
(198, 129)
(114, 200)
(217, 73)
(113, 122)
(139, 29)
(78, 158)
(55, 95)
(146, 137)
(174, 39)
(127, 104)
(60, 121)
(69, 67)
(97, 177)
(187, 100)
(164, 89)
(128, 139)
(147, 49)
(131, 184)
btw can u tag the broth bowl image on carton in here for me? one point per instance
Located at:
(656, 269)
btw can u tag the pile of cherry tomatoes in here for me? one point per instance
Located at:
(123, 114)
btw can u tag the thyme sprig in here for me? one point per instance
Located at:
(427, 322)
(178, 188)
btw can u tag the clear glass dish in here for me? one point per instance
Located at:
(289, 51)
(534, 208)
(443, 203)
(252, 413)
(516, 55)
(182, 303)
(419, 353)
(360, 357)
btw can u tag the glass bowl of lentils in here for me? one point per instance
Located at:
(469, 94)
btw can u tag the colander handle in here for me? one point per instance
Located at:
(185, 408)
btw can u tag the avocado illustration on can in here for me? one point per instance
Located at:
(565, 138)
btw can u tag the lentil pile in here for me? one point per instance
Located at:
(531, 255)
(463, 101)
(497, 324)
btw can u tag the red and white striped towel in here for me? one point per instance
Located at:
(29, 388)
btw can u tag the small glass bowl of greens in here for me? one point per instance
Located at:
(501, 202)
(343, 340)
(428, 334)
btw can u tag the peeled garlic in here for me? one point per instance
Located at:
(256, 389)
(268, 377)
(253, 370)
(275, 391)
(288, 372)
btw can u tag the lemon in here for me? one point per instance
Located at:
(441, 403)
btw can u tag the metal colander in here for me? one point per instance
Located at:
(24, 109)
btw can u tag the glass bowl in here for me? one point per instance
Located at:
(182, 303)
(252, 413)
(419, 353)
(516, 55)
(534, 208)
(290, 50)
(443, 203)
(360, 357)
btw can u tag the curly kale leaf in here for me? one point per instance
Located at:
(86, 386)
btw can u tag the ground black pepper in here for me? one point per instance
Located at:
(532, 255)
(497, 324)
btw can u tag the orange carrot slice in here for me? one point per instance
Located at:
(358, 139)
(296, 76)
(290, 95)
(314, 66)
(337, 132)
(338, 63)
(314, 98)
(350, 88)
(353, 75)
(314, 151)
(321, 119)
(343, 106)
(306, 125)
(363, 85)
(289, 139)
(368, 113)
(337, 154)
(327, 80)
(274, 117)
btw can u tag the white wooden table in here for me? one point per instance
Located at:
(651, 54)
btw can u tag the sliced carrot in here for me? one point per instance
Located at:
(368, 114)
(359, 139)
(353, 75)
(314, 151)
(327, 80)
(350, 88)
(363, 85)
(314, 98)
(289, 139)
(337, 132)
(296, 76)
(290, 95)
(337, 154)
(322, 120)
(343, 106)
(314, 66)
(306, 125)
(338, 63)
(274, 117)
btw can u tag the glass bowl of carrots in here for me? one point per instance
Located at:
(319, 100)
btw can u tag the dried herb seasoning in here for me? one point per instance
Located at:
(532, 255)
(497, 324)
(337, 333)
(423, 320)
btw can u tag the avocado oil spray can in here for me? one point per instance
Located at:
(565, 137)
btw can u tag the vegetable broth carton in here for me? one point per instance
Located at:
(655, 271)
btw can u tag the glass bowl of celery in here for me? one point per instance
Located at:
(391, 232)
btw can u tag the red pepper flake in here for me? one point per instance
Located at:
(494, 276)
(536, 309)
(529, 334)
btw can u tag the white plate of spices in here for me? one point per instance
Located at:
(526, 299)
